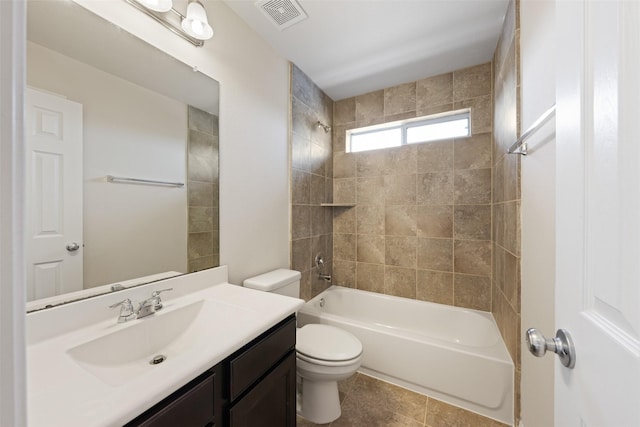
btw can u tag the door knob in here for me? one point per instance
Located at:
(562, 345)
(72, 247)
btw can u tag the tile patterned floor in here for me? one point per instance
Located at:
(368, 402)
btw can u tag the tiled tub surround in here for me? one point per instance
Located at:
(506, 192)
(203, 189)
(311, 182)
(452, 354)
(421, 225)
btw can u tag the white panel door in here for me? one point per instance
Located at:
(54, 195)
(598, 211)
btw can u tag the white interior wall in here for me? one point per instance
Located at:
(254, 110)
(128, 131)
(537, 34)
(12, 277)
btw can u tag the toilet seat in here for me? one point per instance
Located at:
(327, 345)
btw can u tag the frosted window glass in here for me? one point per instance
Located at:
(435, 131)
(376, 140)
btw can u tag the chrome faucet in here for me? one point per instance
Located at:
(145, 308)
(320, 268)
(126, 310)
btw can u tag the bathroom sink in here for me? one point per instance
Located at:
(142, 345)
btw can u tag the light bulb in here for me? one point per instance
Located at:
(196, 24)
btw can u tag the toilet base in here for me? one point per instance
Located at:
(318, 401)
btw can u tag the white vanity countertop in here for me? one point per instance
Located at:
(61, 392)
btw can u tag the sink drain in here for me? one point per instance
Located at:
(158, 359)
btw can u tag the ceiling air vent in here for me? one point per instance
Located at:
(283, 13)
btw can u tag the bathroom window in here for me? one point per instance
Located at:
(456, 124)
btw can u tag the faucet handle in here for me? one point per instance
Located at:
(156, 293)
(155, 296)
(126, 310)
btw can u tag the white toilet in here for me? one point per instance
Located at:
(324, 354)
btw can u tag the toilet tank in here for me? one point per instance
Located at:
(281, 281)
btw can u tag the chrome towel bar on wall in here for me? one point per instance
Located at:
(520, 146)
(120, 179)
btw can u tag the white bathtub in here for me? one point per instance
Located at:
(452, 354)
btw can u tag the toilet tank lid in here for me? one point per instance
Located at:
(272, 280)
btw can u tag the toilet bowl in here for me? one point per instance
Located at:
(324, 354)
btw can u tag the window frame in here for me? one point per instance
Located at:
(404, 125)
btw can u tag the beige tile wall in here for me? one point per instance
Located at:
(421, 223)
(311, 181)
(506, 192)
(203, 248)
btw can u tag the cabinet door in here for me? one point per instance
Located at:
(272, 402)
(194, 405)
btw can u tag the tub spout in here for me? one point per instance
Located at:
(325, 277)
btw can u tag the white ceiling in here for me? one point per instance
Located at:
(351, 47)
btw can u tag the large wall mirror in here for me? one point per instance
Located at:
(121, 159)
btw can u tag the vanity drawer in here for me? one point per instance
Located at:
(255, 360)
(191, 406)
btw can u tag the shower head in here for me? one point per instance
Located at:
(326, 128)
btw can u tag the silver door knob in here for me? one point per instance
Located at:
(562, 345)
(72, 247)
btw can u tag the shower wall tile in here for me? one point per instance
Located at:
(312, 181)
(344, 165)
(201, 219)
(301, 254)
(401, 220)
(344, 247)
(344, 190)
(413, 201)
(370, 249)
(400, 189)
(300, 187)
(435, 221)
(203, 246)
(369, 106)
(473, 152)
(370, 163)
(436, 156)
(369, 191)
(435, 254)
(370, 277)
(370, 219)
(317, 190)
(472, 222)
(344, 272)
(400, 160)
(427, 111)
(481, 112)
(344, 220)
(400, 281)
(434, 91)
(344, 111)
(400, 251)
(472, 292)
(506, 280)
(202, 121)
(400, 99)
(472, 82)
(435, 188)
(434, 286)
(472, 186)
(472, 257)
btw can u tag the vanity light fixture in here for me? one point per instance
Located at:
(157, 5)
(194, 27)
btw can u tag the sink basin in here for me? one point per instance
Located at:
(126, 353)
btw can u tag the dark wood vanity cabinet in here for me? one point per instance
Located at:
(254, 387)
